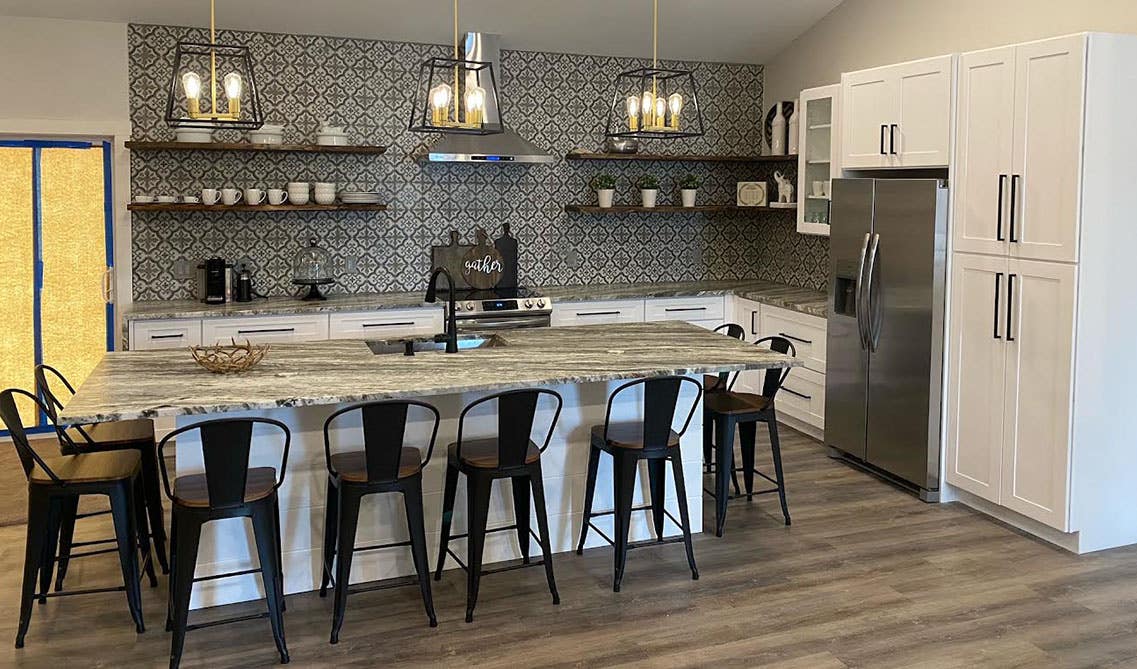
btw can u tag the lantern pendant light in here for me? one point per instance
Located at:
(190, 92)
(453, 95)
(654, 102)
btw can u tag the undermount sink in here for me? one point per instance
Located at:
(399, 346)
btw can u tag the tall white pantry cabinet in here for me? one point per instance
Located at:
(1042, 352)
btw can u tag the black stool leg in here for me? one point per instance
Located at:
(657, 485)
(746, 432)
(349, 521)
(416, 527)
(681, 494)
(138, 502)
(69, 509)
(708, 440)
(724, 453)
(126, 532)
(776, 451)
(447, 516)
(538, 482)
(279, 551)
(521, 512)
(264, 531)
(171, 585)
(478, 490)
(39, 510)
(181, 584)
(623, 484)
(47, 554)
(589, 493)
(331, 523)
(153, 502)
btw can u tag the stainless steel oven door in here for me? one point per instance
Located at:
(505, 323)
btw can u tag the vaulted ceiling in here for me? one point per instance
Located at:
(739, 31)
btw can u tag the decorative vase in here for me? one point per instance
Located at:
(648, 196)
(604, 196)
(793, 129)
(688, 195)
(778, 133)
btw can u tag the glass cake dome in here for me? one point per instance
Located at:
(312, 267)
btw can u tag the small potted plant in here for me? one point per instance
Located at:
(649, 189)
(688, 186)
(605, 186)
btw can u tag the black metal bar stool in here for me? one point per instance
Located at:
(654, 440)
(510, 454)
(112, 436)
(730, 409)
(713, 383)
(229, 488)
(384, 465)
(55, 483)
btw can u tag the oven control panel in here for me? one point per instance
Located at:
(526, 305)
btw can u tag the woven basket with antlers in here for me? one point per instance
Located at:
(229, 359)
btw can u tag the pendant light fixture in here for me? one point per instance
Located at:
(654, 102)
(451, 96)
(197, 100)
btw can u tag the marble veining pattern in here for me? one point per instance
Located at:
(168, 383)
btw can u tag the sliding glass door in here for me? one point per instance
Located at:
(55, 259)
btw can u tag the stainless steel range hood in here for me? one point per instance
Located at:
(503, 147)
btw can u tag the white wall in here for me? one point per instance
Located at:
(866, 33)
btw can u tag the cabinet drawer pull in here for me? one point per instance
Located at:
(386, 325)
(266, 331)
(672, 309)
(1014, 197)
(797, 394)
(168, 336)
(753, 322)
(882, 129)
(797, 339)
(999, 215)
(892, 139)
(599, 313)
(998, 279)
(1010, 303)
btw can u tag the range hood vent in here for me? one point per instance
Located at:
(504, 147)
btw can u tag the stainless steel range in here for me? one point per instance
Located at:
(502, 308)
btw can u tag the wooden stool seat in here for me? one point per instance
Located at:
(712, 383)
(483, 453)
(192, 491)
(352, 466)
(90, 467)
(731, 403)
(628, 435)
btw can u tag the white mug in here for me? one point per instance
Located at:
(210, 195)
(277, 196)
(254, 196)
(167, 199)
(230, 196)
(191, 199)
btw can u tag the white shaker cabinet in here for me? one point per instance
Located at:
(897, 116)
(819, 155)
(265, 329)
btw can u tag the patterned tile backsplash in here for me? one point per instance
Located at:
(365, 85)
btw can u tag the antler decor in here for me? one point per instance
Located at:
(229, 359)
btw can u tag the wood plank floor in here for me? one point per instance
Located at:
(867, 576)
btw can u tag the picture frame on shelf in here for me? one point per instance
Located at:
(752, 194)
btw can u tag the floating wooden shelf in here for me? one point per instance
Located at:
(269, 208)
(700, 209)
(246, 146)
(581, 155)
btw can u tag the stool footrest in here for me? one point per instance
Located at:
(101, 551)
(213, 577)
(87, 591)
(498, 570)
(226, 621)
(648, 542)
(376, 547)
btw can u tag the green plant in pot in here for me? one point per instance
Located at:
(688, 186)
(605, 186)
(649, 189)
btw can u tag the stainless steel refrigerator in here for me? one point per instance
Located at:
(884, 356)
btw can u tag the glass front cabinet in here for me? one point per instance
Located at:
(819, 149)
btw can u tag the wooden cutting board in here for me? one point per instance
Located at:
(482, 266)
(450, 256)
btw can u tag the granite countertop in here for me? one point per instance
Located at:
(803, 300)
(147, 384)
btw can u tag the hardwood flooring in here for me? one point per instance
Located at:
(867, 576)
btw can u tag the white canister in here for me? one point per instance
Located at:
(605, 196)
(648, 196)
(688, 196)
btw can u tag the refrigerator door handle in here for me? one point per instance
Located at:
(874, 306)
(859, 307)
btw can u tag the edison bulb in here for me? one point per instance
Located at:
(475, 104)
(191, 83)
(675, 103)
(647, 107)
(633, 104)
(439, 103)
(233, 86)
(660, 110)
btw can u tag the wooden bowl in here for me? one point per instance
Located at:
(229, 359)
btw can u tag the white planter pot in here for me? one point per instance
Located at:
(605, 197)
(648, 196)
(688, 195)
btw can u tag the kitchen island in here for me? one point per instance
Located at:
(301, 384)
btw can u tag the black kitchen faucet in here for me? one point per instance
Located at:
(451, 332)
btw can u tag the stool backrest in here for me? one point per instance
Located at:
(516, 410)
(384, 433)
(732, 330)
(774, 378)
(661, 398)
(47, 377)
(10, 415)
(226, 444)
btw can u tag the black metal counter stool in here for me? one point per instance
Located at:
(384, 465)
(713, 383)
(654, 440)
(510, 454)
(135, 435)
(229, 488)
(56, 482)
(730, 409)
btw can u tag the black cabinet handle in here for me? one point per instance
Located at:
(685, 309)
(266, 331)
(598, 313)
(753, 323)
(999, 217)
(998, 280)
(387, 325)
(1010, 303)
(169, 336)
(882, 129)
(797, 339)
(794, 392)
(892, 139)
(1014, 198)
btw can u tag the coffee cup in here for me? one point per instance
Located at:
(277, 196)
(818, 188)
(167, 199)
(191, 199)
(254, 196)
(144, 199)
(230, 196)
(210, 195)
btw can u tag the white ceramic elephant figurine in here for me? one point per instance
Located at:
(785, 188)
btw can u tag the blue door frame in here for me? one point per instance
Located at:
(37, 146)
